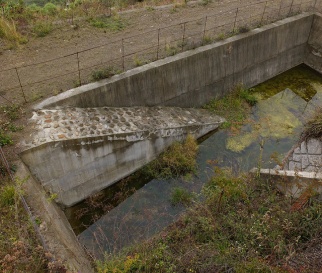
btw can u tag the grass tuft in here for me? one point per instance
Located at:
(313, 128)
(178, 159)
(9, 32)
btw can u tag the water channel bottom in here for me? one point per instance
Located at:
(275, 124)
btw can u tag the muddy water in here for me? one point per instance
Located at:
(273, 127)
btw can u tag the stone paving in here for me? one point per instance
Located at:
(306, 157)
(74, 123)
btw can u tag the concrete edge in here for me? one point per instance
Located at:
(55, 227)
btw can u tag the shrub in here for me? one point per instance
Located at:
(7, 195)
(50, 9)
(42, 29)
(243, 225)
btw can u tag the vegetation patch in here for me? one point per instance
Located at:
(313, 128)
(104, 73)
(179, 159)
(234, 107)
(42, 29)
(114, 23)
(243, 225)
(181, 196)
(9, 32)
(19, 248)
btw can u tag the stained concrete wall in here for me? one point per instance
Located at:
(194, 77)
(77, 168)
(314, 54)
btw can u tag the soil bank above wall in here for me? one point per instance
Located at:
(192, 78)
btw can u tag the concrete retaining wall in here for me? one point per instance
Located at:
(194, 77)
(314, 54)
(74, 169)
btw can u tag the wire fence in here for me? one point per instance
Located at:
(29, 82)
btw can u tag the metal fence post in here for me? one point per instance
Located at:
(183, 36)
(263, 13)
(235, 20)
(204, 29)
(158, 44)
(279, 11)
(290, 8)
(79, 73)
(122, 49)
(23, 93)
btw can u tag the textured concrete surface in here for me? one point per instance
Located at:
(307, 157)
(314, 54)
(77, 152)
(118, 123)
(194, 77)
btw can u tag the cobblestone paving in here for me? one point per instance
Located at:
(73, 123)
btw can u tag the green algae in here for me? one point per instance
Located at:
(277, 117)
(299, 79)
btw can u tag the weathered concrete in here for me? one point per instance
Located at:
(76, 152)
(306, 157)
(314, 54)
(55, 228)
(194, 77)
(292, 183)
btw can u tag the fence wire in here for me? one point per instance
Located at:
(27, 83)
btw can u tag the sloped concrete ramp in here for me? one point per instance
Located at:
(75, 152)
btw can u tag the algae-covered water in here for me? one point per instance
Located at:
(273, 127)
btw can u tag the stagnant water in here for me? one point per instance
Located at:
(276, 121)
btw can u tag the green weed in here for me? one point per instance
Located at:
(12, 111)
(7, 195)
(104, 73)
(178, 159)
(139, 62)
(207, 40)
(181, 196)
(234, 107)
(243, 225)
(111, 23)
(42, 29)
(5, 139)
(171, 50)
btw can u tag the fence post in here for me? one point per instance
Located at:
(79, 73)
(290, 9)
(122, 49)
(279, 11)
(204, 30)
(158, 44)
(263, 13)
(314, 7)
(183, 36)
(235, 20)
(23, 93)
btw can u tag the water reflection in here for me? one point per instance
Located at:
(275, 123)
